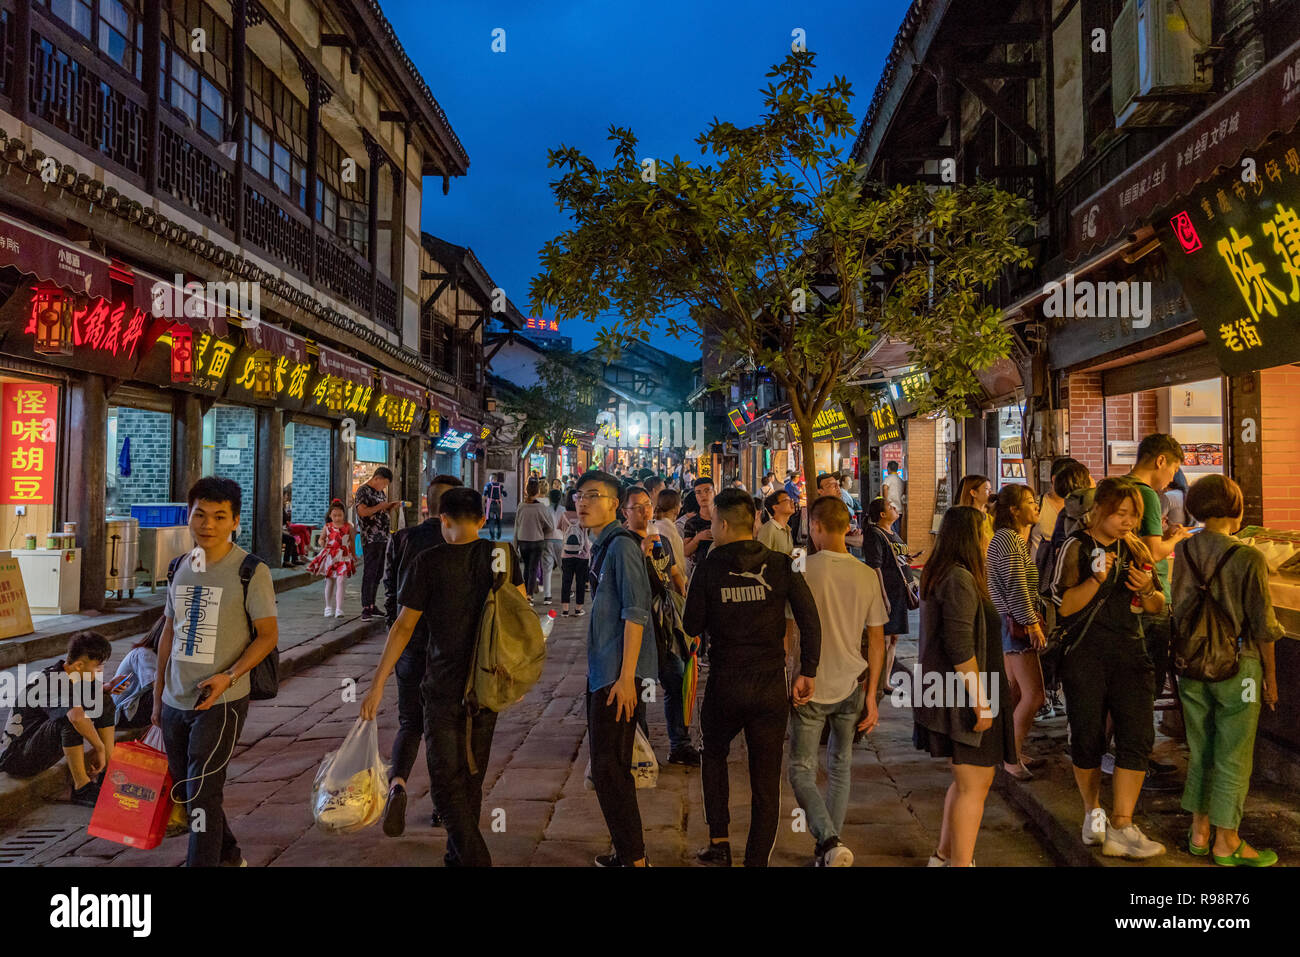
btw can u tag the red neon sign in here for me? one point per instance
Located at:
(101, 326)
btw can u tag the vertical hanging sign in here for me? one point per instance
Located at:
(30, 423)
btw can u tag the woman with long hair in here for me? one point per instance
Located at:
(1013, 586)
(976, 491)
(1220, 720)
(134, 679)
(1103, 581)
(960, 648)
(883, 550)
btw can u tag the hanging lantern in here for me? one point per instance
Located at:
(182, 353)
(334, 394)
(263, 375)
(52, 309)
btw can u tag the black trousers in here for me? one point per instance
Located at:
(43, 746)
(372, 571)
(494, 521)
(197, 740)
(531, 553)
(610, 742)
(755, 703)
(290, 545)
(573, 577)
(1157, 631)
(410, 708)
(458, 794)
(1110, 673)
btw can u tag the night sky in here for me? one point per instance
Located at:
(570, 69)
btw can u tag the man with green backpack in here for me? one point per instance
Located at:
(480, 621)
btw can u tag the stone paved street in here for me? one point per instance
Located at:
(536, 778)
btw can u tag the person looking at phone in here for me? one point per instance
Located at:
(1103, 576)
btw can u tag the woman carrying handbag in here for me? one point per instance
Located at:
(884, 551)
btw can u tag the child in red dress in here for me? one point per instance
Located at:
(336, 559)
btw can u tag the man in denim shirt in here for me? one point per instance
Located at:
(618, 660)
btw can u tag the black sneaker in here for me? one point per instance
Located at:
(715, 855)
(686, 754)
(395, 811)
(609, 860)
(833, 853)
(86, 795)
(1159, 767)
(435, 819)
(367, 614)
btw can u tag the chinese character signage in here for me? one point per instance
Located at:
(109, 329)
(908, 392)
(258, 376)
(15, 613)
(884, 422)
(30, 423)
(830, 426)
(1235, 246)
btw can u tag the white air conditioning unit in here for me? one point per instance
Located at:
(1153, 54)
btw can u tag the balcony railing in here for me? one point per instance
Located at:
(272, 227)
(385, 303)
(71, 97)
(343, 272)
(199, 179)
(6, 52)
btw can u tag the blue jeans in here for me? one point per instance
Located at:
(825, 816)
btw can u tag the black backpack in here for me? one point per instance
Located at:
(1205, 638)
(264, 679)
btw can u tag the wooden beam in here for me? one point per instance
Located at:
(999, 107)
(433, 296)
(1028, 70)
(980, 35)
(434, 275)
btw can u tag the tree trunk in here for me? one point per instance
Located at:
(554, 458)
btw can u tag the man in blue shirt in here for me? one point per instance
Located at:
(618, 661)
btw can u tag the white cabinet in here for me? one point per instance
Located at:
(52, 579)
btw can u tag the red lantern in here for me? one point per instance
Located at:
(182, 353)
(52, 311)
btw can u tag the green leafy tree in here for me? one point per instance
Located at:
(778, 245)
(561, 399)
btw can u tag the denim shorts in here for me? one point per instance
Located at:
(1010, 644)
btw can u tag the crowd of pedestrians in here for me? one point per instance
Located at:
(1028, 606)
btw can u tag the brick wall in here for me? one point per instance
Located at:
(922, 469)
(1119, 419)
(151, 459)
(311, 473)
(1087, 420)
(1148, 414)
(1280, 446)
(237, 420)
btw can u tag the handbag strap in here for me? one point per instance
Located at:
(1102, 596)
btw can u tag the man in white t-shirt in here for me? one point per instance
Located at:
(892, 490)
(849, 600)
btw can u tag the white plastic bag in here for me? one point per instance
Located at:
(154, 739)
(351, 785)
(645, 766)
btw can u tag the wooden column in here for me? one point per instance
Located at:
(239, 102)
(21, 78)
(187, 443)
(150, 67)
(266, 512)
(87, 434)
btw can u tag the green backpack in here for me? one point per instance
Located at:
(509, 651)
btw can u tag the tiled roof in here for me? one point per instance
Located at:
(911, 20)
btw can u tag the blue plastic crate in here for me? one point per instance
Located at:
(161, 515)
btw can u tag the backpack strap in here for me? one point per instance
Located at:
(247, 568)
(171, 568)
(1202, 582)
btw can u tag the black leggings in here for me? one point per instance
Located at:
(1106, 672)
(755, 703)
(573, 573)
(531, 553)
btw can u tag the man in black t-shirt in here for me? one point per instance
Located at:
(453, 581)
(697, 530)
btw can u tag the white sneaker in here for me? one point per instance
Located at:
(1108, 763)
(327, 611)
(338, 612)
(1130, 842)
(1095, 827)
(936, 861)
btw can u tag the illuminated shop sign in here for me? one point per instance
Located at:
(908, 391)
(742, 415)
(110, 328)
(30, 423)
(1235, 246)
(453, 440)
(830, 426)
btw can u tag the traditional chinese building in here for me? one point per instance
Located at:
(210, 262)
(1157, 145)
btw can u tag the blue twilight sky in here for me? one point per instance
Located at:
(573, 67)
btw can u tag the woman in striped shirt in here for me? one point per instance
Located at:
(1013, 586)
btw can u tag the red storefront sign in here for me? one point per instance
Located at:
(30, 423)
(111, 328)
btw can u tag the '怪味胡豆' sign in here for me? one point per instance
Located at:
(30, 423)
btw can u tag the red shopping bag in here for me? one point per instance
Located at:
(135, 799)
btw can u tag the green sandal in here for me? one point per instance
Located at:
(1267, 858)
(1196, 849)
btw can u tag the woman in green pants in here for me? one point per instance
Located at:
(1221, 716)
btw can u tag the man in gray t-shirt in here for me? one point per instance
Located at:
(204, 657)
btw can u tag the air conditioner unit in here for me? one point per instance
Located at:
(1154, 45)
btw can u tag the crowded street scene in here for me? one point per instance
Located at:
(803, 436)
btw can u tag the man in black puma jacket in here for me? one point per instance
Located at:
(739, 594)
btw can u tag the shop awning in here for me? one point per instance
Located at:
(1266, 103)
(344, 367)
(162, 298)
(278, 342)
(51, 259)
(404, 389)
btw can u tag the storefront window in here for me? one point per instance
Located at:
(307, 469)
(139, 460)
(371, 453)
(229, 451)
